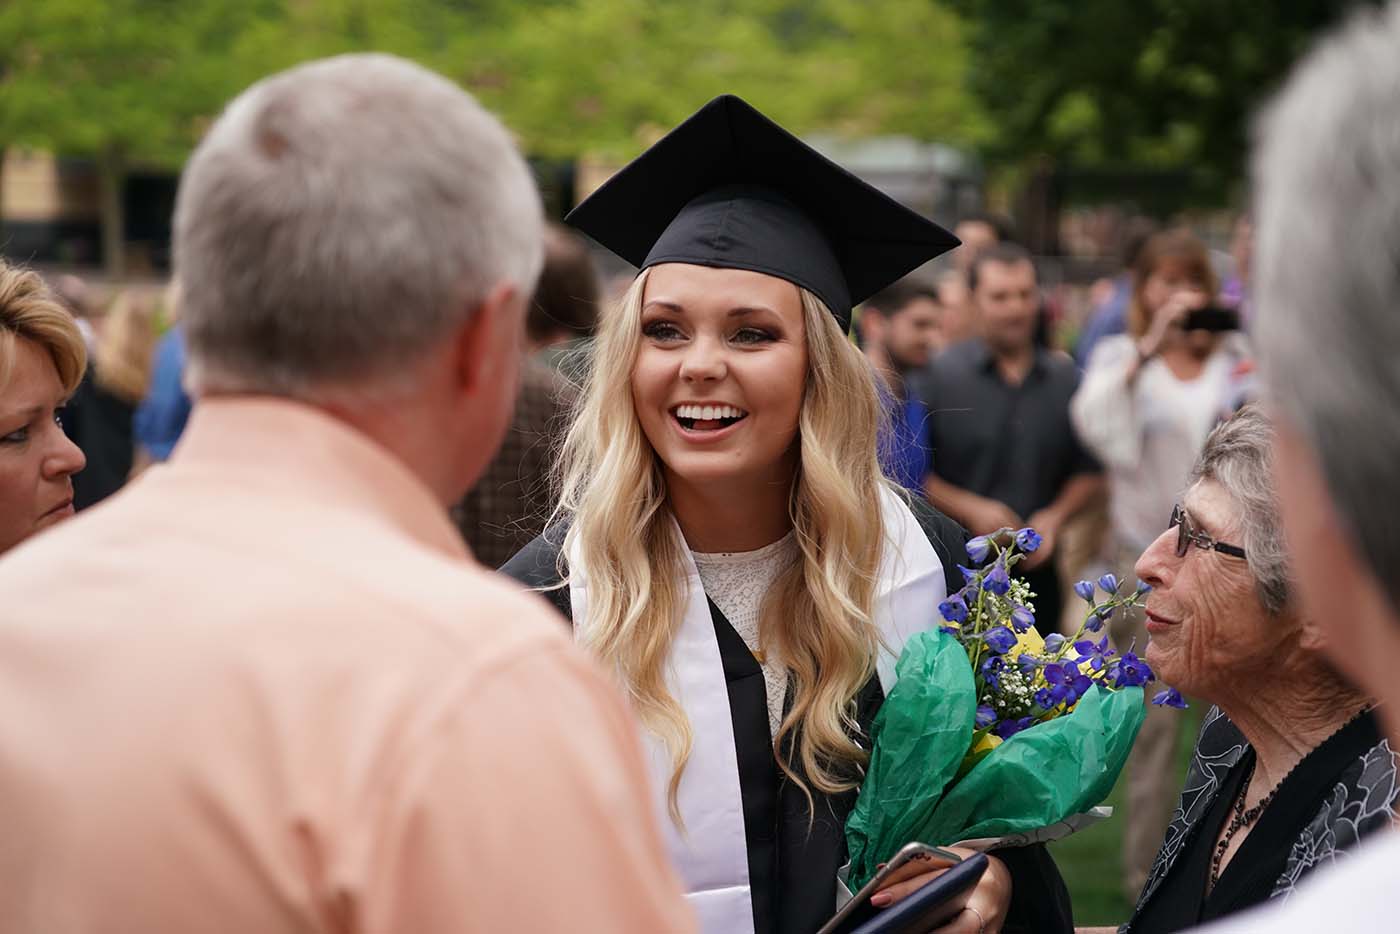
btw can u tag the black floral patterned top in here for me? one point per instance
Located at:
(1342, 791)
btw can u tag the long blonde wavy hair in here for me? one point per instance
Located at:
(818, 616)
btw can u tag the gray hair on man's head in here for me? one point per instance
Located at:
(1239, 457)
(1327, 184)
(338, 221)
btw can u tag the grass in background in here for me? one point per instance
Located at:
(1090, 859)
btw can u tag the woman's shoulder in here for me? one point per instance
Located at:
(948, 538)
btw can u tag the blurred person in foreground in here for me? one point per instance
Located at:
(1290, 769)
(899, 334)
(277, 694)
(1148, 400)
(1004, 452)
(1326, 175)
(512, 501)
(42, 361)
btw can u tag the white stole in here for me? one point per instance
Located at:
(711, 854)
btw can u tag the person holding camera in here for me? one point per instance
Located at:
(1147, 403)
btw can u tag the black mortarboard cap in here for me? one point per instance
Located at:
(731, 188)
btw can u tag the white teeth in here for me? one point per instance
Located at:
(708, 412)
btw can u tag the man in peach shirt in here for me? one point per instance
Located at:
(265, 689)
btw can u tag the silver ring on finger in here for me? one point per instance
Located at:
(981, 921)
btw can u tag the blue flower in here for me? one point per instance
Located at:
(1143, 587)
(1000, 639)
(986, 716)
(1105, 613)
(1027, 664)
(950, 631)
(997, 580)
(1133, 672)
(1109, 583)
(954, 610)
(969, 576)
(1009, 728)
(1045, 699)
(1093, 622)
(1092, 652)
(1028, 539)
(978, 548)
(1085, 591)
(1022, 618)
(1171, 697)
(1054, 642)
(1066, 683)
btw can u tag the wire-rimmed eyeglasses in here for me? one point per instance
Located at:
(1186, 536)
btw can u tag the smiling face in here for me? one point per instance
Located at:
(37, 461)
(1209, 634)
(720, 374)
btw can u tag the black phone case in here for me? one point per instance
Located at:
(926, 907)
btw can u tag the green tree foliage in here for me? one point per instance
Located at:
(1159, 83)
(136, 81)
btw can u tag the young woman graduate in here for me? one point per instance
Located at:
(727, 543)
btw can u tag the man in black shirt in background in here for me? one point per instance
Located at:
(1004, 452)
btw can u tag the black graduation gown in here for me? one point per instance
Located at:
(793, 862)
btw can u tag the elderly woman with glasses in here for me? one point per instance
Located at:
(1290, 767)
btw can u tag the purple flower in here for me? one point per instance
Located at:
(1109, 583)
(1066, 683)
(978, 548)
(969, 576)
(1028, 539)
(1009, 728)
(1171, 697)
(997, 580)
(1105, 613)
(1022, 618)
(1045, 699)
(1133, 672)
(1092, 652)
(1093, 622)
(1054, 642)
(1085, 591)
(1000, 639)
(1027, 664)
(1143, 587)
(986, 716)
(950, 631)
(954, 610)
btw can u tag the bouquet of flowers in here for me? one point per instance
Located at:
(990, 730)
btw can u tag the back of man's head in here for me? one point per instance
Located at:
(1327, 183)
(339, 221)
(565, 303)
(899, 295)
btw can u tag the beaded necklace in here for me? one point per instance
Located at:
(1239, 820)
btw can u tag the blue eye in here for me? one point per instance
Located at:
(752, 336)
(662, 331)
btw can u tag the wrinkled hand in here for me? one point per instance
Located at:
(990, 898)
(988, 515)
(1168, 317)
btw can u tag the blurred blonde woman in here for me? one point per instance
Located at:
(42, 360)
(727, 543)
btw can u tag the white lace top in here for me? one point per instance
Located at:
(737, 583)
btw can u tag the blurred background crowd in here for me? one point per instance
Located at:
(1089, 155)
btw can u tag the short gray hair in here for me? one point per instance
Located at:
(1239, 457)
(1327, 182)
(339, 220)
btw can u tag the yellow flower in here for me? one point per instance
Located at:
(1027, 642)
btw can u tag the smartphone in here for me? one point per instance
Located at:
(1212, 318)
(932, 906)
(913, 859)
